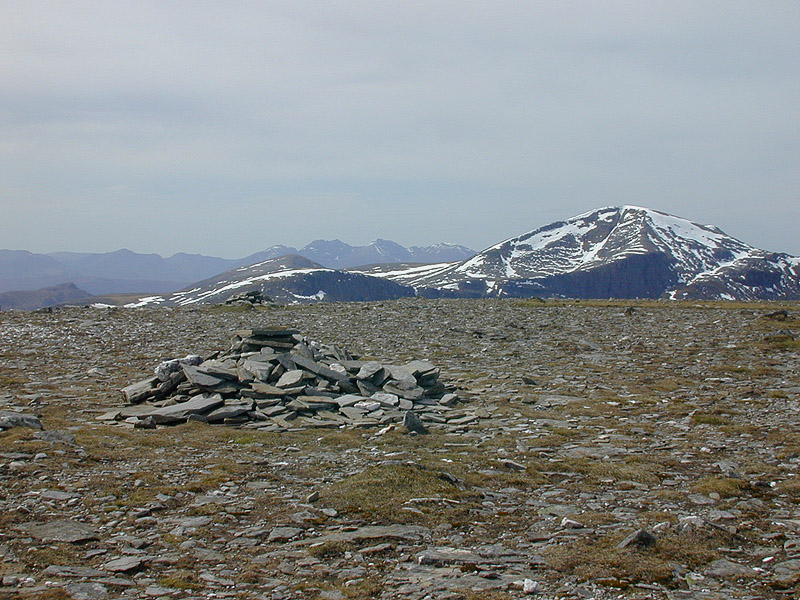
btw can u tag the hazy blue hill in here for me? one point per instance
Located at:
(20, 269)
(49, 296)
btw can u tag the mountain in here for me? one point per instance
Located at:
(338, 255)
(49, 296)
(271, 252)
(124, 271)
(616, 252)
(120, 271)
(442, 252)
(193, 267)
(288, 279)
(23, 270)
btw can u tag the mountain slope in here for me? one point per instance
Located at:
(621, 252)
(289, 279)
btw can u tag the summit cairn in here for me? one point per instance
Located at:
(278, 380)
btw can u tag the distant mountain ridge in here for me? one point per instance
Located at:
(124, 271)
(612, 252)
(336, 254)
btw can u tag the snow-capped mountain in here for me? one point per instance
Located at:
(288, 279)
(338, 255)
(442, 252)
(619, 252)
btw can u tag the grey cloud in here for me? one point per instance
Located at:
(473, 121)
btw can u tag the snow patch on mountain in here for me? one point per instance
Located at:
(227, 287)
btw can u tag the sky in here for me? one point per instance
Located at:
(223, 128)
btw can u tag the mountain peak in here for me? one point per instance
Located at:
(616, 251)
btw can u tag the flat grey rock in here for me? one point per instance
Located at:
(86, 591)
(55, 437)
(138, 410)
(72, 571)
(259, 370)
(372, 532)
(373, 372)
(10, 419)
(419, 367)
(200, 378)
(167, 368)
(125, 564)
(726, 569)
(140, 391)
(228, 412)
(292, 378)
(192, 521)
(219, 368)
(640, 538)
(387, 400)
(787, 573)
(319, 369)
(58, 495)
(352, 412)
(60, 531)
(195, 406)
(448, 556)
(270, 391)
(283, 534)
(348, 400)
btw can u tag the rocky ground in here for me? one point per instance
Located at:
(646, 453)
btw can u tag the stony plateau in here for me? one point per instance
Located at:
(646, 450)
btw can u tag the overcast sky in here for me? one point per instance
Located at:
(223, 128)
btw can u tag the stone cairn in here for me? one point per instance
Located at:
(278, 380)
(251, 298)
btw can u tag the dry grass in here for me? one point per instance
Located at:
(789, 488)
(784, 344)
(710, 419)
(379, 493)
(599, 558)
(726, 487)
